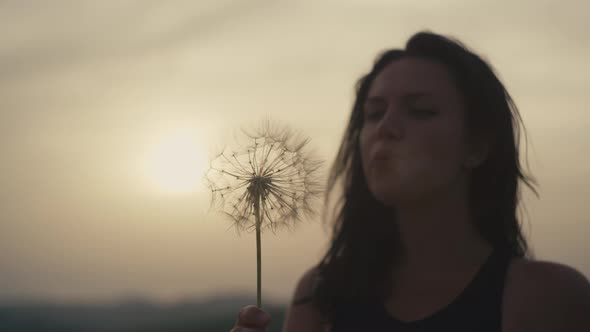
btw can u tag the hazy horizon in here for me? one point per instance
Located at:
(95, 95)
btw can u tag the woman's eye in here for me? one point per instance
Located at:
(374, 110)
(373, 114)
(422, 112)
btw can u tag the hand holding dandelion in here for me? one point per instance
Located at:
(268, 183)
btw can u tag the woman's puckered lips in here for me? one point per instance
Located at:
(381, 152)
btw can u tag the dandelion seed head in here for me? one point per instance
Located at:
(270, 171)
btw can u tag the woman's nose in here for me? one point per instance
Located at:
(391, 124)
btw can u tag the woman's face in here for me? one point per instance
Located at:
(412, 140)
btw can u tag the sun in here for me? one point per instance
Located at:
(175, 163)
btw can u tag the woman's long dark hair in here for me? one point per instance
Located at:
(365, 240)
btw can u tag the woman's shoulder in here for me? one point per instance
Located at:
(544, 294)
(532, 275)
(302, 315)
(306, 284)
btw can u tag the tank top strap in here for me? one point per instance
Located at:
(490, 278)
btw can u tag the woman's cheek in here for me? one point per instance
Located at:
(415, 173)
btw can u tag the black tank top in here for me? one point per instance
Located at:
(477, 308)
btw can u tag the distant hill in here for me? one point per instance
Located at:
(211, 315)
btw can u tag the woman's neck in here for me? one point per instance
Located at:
(440, 234)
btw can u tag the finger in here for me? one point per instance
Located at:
(252, 316)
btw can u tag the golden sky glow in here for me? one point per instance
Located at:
(175, 163)
(101, 101)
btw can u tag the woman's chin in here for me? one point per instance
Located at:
(386, 194)
(392, 196)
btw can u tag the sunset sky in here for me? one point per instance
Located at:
(109, 110)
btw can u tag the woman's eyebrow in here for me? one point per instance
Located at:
(405, 96)
(375, 99)
(416, 95)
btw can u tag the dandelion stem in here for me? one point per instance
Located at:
(258, 254)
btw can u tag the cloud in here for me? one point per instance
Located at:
(77, 34)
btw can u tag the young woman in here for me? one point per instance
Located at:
(426, 235)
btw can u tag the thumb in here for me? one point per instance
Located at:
(252, 316)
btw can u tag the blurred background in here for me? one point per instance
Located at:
(109, 110)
